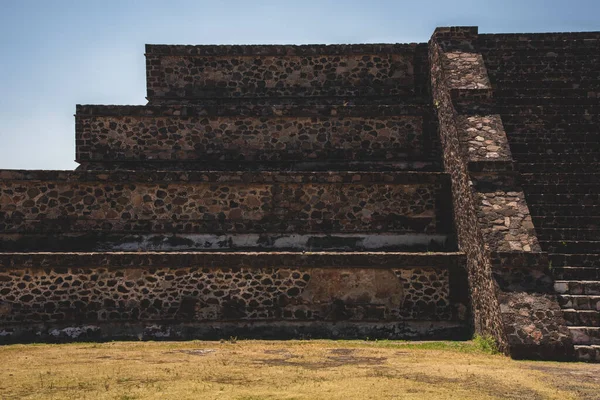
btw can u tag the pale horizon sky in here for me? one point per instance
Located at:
(56, 54)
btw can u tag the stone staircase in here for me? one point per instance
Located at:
(547, 90)
(264, 191)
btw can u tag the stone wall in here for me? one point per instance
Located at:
(184, 72)
(482, 288)
(201, 294)
(503, 214)
(508, 273)
(54, 201)
(83, 290)
(384, 133)
(482, 138)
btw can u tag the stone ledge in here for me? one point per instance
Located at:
(276, 224)
(453, 260)
(425, 164)
(275, 330)
(535, 326)
(152, 111)
(279, 50)
(547, 36)
(456, 32)
(221, 177)
(407, 89)
(483, 138)
(89, 241)
(363, 97)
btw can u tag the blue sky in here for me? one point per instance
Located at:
(58, 53)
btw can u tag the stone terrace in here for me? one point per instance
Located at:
(264, 191)
(402, 191)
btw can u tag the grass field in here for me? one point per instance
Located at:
(253, 370)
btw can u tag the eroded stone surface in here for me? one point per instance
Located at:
(186, 74)
(197, 294)
(506, 221)
(483, 138)
(534, 323)
(249, 139)
(113, 206)
(465, 70)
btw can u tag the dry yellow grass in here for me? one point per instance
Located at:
(252, 370)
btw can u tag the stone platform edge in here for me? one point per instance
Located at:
(452, 260)
(279, 50)
(410, 108)
(222, 177)
(241, 329)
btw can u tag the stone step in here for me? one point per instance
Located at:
(498, 77)
(591, 260)
(587, 353)
(518, 57)
(560, 177)
(577, 287)
(251, 134)
(523, 83)
(543, 94)
(507, 80)
(278, 241)
(519, 50)
(532, 67)
(566, 108)
(562, 188)
(585, 335)
(579, 222)
(122, 259)
(551, 198)
(213, 288)
(568, 63)
(540, 64)
(540, 61)
(242, 103)
(579, 302)
(223, 202)
(552, 167)
(561, 158)
(571, 210)
(531, 41)
(528, 40)
(551, 121)
(571, 246)
(567, 233)
(582, 317)
(525, 51)
(184, 72)
(576, 273)
(558, 128)
(588, 99)
(571, 147)
(509, 47)
(431, 164)
(550, 137)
